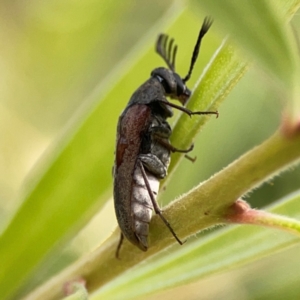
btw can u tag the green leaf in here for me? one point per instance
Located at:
(223, 72)
(258, 27)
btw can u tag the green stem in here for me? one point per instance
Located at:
(204, 206)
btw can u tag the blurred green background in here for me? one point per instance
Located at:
(58, 58)
(53, 55)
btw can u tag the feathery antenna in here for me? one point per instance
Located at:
(204, 28)
(166, 50)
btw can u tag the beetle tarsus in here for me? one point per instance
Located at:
(192, 159)
(205, 113)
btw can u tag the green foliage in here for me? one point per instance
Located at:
(92, 43)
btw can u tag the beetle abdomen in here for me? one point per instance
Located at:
(141, 205)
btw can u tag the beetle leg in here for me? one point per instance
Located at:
(171, 148)
(189, 112)
(155, 205)
(162, 130)
(161, 134)
(153, 165)
(119, 245)
(192, 159)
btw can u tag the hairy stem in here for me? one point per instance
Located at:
(206, 205)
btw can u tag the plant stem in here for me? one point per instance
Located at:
(204, 206)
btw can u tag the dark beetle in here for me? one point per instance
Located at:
(143, 147)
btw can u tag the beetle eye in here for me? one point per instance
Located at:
(166, 86)
(164, 83)
(180, 88)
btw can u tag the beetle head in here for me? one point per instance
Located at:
(172, 83)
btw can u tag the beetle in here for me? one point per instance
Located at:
(143, 148)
